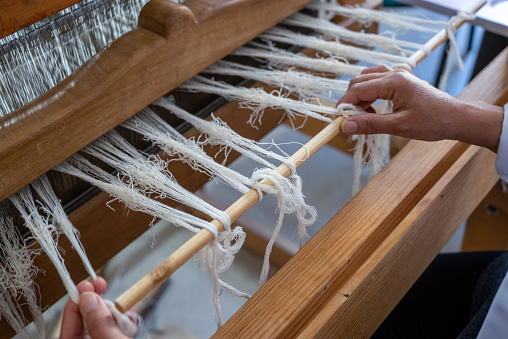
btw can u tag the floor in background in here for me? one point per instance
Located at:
(185, 309)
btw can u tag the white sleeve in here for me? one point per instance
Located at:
(496, 321)
(502, 151)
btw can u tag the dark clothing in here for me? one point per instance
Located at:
(450, 299)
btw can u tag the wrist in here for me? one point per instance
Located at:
(480, 124)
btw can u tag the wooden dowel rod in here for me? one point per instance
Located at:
(435, 42)
(185, 252)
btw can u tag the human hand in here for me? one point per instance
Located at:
(420, 111)
(91, 318)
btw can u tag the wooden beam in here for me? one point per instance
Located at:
(406, 194)
(18, 14)
(172, 43)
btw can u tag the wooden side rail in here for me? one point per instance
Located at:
(350, 275)
(17, 14)
(172, 43)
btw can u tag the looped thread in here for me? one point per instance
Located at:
(128, 322)
(290, 199)
(407, 66)
(450, 31)
(347, 110)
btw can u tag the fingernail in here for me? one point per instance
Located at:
(350, 127)
(88, 301)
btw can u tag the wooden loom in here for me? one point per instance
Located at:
(338, 283)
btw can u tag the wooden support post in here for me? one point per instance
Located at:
(487, 226)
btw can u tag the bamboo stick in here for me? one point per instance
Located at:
(185, 252)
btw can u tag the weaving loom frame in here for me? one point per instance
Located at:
(89, 214)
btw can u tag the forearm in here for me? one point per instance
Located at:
(478, 123)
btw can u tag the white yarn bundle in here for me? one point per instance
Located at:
(305, 85)
(52, 206)
(289, 196)
(367, 16)
(290, 200)
(148, 174)
(362, 38)
(216, 132)
(217, 257)
(258, 100)
(335, 48)
(78, 166)
(370, 150)
(466, 15)
(45, 234)
(174, 144)
(16, 279)
(279, 58)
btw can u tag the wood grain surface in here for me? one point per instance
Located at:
(17, 14)
(340, 283)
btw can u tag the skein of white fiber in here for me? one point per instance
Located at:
(53, 207)
(258, 100)
(377, 150)
(43, 232)
(335, 48)
(305, 85)
(285, 191)
(290, 200)
(17, 274)
(277, 58)
(220, 256)
(149, 175)
(450, 30)
(364, 15)
(361, 38)
(174, 144)
(217, 132)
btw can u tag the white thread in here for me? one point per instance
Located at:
(364, 15)
(306, 85)
(34, 65)
(362, 38)
(148, 174)
(290, 200)
(450, 31)
(127, 322)
(174, 144)
(258, 100)
(16, 278)
(371, 150)
(60, 220)
(217, 132)
(44, 233)
(335, 48)
(82, 168)
(78, 166)
(277, 58)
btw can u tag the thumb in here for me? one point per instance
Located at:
(370, 124)
(97, 317)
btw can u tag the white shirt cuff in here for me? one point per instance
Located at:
(502, 151)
